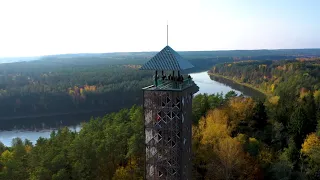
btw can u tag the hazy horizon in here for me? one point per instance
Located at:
(36, 28)
(39, 56)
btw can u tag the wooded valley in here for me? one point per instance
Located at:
(234, 137)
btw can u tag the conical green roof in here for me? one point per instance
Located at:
(167, 59)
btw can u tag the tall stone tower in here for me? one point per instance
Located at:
(167, 112)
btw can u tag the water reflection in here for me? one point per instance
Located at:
(47, 122)
(243, 89)
(7, 136)
(207, 85)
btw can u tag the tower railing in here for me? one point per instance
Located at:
(176, 85)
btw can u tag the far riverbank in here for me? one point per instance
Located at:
(240, 83)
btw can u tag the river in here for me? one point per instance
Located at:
(207, 84)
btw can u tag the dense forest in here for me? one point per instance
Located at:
(71, 89)
(85, 82)
(289, 143)
(272, 77)
(234, 137)
(62, 84)
(106, 148)
(110, 147)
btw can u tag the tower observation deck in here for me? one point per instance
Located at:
(167, 111)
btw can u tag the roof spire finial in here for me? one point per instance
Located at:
(167, 32)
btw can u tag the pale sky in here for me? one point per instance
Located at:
(44, 27)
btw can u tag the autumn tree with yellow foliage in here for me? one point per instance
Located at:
(311, 153)
(215, 147)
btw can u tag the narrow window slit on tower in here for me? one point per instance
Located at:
(177, 100)
(178, 135)
(178, 105)
(163, 104)
(168, 100)
(159, 137)
(164, 119)
(173, 143)
(174, 172)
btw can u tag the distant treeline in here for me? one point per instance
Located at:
(234, 137)
(84, 82)
(69, 89)
(68, 84)
(274, 76)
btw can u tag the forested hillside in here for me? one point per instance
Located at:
(274, 76)
(110, 147)
(70, 89)
(75, 83)
(233, 138)
(83, 82)
(290, 141)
